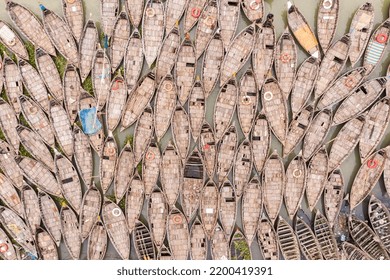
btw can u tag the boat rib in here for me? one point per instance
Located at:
(307, 240)
(325, 237)
(143, 242)
(354, 253)
(380, 220)
(288, 242)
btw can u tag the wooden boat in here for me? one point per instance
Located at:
(214, 53)
(242, 167)
(153, 26)
(261, 141)
(366, 239)
(87, 48)
(18, 230)
(178, 234)
(317, 174)
(227, 207)
(171, 173)
(97, 242)
(386, 175)
(219, 245)
(115, 224)
(83, 155)
(108, 160)
(138, 100)
(38, 174)
(332, 64)
(208, 148)
(133, 60)
(252, 206)
(345, 141)
(1, 69)
(344, 86)
(264, 50)
(35, 146)
(360, 30)
(151, 166)
(124, 171)
(89, 211)
(198, 241)
(101, 76)
(359, 100)
(50, 216)
(8, 124)
(13, 83)
(12, 41)
(239, 247)
(193, 182)
(72, 91)
(304, 84)
(286, 62)
(74, 17)
(302, 31)
(164, 106)
(143, 242)
(30, 26)
(193, 11)
(49, 73)
(275, 108)
(327, 18)
(165, 254)
(181, 131)
(31, 212)
(134, 201)
(367, 177)
(197, 109)
(253, 10)
(209, 207)
(157, 216)
(174, 11)
(295, 185)
(351, 252)
(71, 232)
(116, 102)
(167, 54)
(268, 240)
(226, 153)
(239, 51)
(316, 133)
(9, 166)
(229, 14)
(60, 35)
(325, 237)
(109, 10)
(7, 249)
(62, 127)
(307, 241)
(119, 40)
(288, 242)
(143, 133)
(9, 196)
(377, 120)
(333, 196)
(379, 218)
(376, 46)
(247, 102)
(47, 248)
(299, 125)
(207, 25)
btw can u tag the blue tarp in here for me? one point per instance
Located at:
(89, 121)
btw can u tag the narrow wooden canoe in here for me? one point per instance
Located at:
(333, 196)
(89, 211)
(219, 245)
(101, 77)
(247, 102)
(109, 10)
(288, 242)
(226, 152)
(171, 173)
(119, 39)
(143, 242)
(9, 165)
(134, 9)
(74, 17)
(87, 48)
(13, 83)
(227, 207)
(380, 220)
(116, 102)
(71, 232)
(31, 212)
(134, 201)
(178, 234)
(165, 254)
(9, 196)
(268, 240)
(252, 206)
(307, 241)
(261, 141)
(253, 10)
(229, 14)
(352, 252)
(197, 109)
(208, 148)
(151, 166)
(174, 11)
(10, 39)
(133, 60)
(83, 155)
(97, 242)
(108, 160)
(47, 248)
(209, 207)
(50, 216)
(193, 11)
(8, 251)
(124, 171)
(198, 241)
(207, 24)
(8, 124)
(242, 167)
(327, 19)
(143, 133)
(72, 91)
(239, 247)
(325, 237)
(181, 131)
(158, 211)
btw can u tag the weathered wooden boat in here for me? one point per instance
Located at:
(380, 220)
(219, 245)
(135, 9)
(178, 234)
(366, 239)
(143, 242)
(212, 61)
(60, 35)
(47, 248)
(8, 124)
(193, 11)
(275, 108)
(345, 141)
(9, 196)
(333, 196)
(302, 31)
(307, 241)
(50, 216)
(9, 166)
(101, 76)
(207, 24)
(72, 91)
(12, 41)
(153, 27)
(181, 131)
(119, 39)
(268, 240)
(83, 155)
(239, 51)
(288, 242)
(351, 252)
(87, 48)
(49, 73)
(109, 10)
(108, 160)
(115, 223)
(304, 84)
(296, 175)
(97, 242)
(386, 175)
(171, 173)
(325, 237)
(274, 185)
(316, 133)
(116, 102)
(229, 14)
(286, 62)
(138, 100)
(30, 26)
(197, 109)
(124, 171)
(242, 167)
(247, 102)
(151, 166)
(261, 141)
(327, 19)
(165, 254)
(198, 241)
(1, 69)
(344, 86)
(227, 207)
(71, 232)
(74, 17)
(208, 148)
(174, 11)
(157, 216)
(143, 133)
(134, 201)
(317, 173)
(226, 153)
(297, 130)
(31, 212)
(239, 247)
(13, 83)
(133, 60)
(360, 30)
(209, 207)
(252, 206)
(253, 10)
(7, 251)
(89, 211)
(193, 182)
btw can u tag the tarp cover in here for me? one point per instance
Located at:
(89, 121)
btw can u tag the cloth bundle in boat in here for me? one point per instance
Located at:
(89, 121)
(306, 38)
